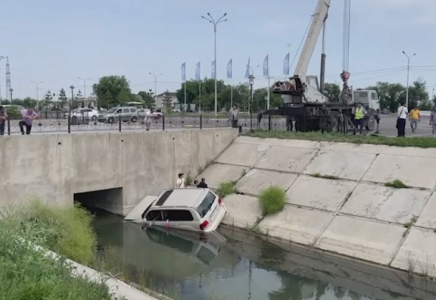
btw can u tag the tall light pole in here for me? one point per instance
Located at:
(10, 91)
(432, 97)
(155, 85)
(408, 72)
(215, 24)
(84, 86)
(37, 92)
(1, 57)
(251, 82)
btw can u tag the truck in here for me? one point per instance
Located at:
(304, 99)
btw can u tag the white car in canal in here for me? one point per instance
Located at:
(194, 209)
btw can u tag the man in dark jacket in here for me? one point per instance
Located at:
(202, 184)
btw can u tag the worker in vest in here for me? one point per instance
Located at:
(359, 115)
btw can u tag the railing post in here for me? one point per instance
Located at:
(163, 122)
(9, 126)
(119, 123)
(46, 114)
(201, 121)
(269, 122)
(69, 123)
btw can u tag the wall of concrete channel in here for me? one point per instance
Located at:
(57, 166)
(354, 215)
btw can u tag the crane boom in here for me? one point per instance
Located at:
(318, 19)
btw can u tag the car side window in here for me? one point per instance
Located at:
(179, 215)
(132, 110)
(125, 110)
(154, 215)
(118, 111)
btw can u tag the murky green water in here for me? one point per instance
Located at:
(237, 266)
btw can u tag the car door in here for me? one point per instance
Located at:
(125, 115)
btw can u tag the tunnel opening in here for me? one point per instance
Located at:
(110, 200)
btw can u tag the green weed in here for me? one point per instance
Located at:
(226, 188)
(272, 200)
(397, 184)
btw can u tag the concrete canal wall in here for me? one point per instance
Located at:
(353, 214)
(111, 169)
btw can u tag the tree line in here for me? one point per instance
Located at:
(115, 90)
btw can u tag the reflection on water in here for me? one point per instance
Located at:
(234, 265)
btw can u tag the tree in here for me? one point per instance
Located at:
(112, 90)
(333, 91)
(48, 96)
(28, 102)
(147, 98)
(391, 95)
(167, 102)
(62, 98)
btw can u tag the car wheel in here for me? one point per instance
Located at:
(94, 118)
(110, 120)
(134, 119)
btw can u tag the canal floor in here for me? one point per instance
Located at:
(235, 265)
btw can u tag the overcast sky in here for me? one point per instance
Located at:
(57, 41)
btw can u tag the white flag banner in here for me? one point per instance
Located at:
(266, 67)
(184, 72)
(247, 71)
(229, 69)
(213, 70)
(286, 65)
(197, 71)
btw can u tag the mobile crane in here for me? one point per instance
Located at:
(303, 97)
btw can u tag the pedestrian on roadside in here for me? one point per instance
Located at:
(401, 120)
(180, 183)
(233, 116)
(28, 116)
(433, 120)
(359, 115)
(202, 184)
(414, 118)
(147, 119)
(377, 119)
(3, 118)
(289, 123)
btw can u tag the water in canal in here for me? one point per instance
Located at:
(239, 266)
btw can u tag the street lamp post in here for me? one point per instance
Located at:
(432, 96)
(37, 92)
(408, 72)
(155, 84)
(1, 57)
(10, 91)
(215, 24)
(251, 82)
(84, 86)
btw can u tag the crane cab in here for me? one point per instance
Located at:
(368, 98)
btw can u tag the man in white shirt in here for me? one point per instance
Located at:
(401, 120)
(180, 181)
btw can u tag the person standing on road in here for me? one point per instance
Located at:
(147, 119)
(289, 123)
(415, 117)
(28, 116)
(3, 118)
(180, 181)
(401, 120)
(433, 120)
(359, 115)
(233, 116)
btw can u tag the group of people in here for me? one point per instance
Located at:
(414, 118)
(180, 183)
(28, 115)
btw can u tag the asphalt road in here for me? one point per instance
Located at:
(387, 125)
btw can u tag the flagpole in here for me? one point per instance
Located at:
(185, 96)
(231, 95)
(269, 88)
(199, 93)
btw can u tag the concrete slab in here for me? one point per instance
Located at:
(294, 224)
(418, 253)
(217, 173)
(345, 165)
(414, 171)
(257, 180)
(328, 194)
(242, 211)
(387, 204)
(135, 215)
(286, 159)
(242, 154)
(427, 218)
(368, 240)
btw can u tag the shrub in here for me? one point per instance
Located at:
(272, 200)
(226, 188)
(397, 184)
(64, 230)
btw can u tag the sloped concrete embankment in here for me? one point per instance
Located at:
(336, 197)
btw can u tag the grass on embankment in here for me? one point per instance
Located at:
(28, 273)
(272, 200)
(226, 188)
(420, 142)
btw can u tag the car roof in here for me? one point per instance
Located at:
(183, 197)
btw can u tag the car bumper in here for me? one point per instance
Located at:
(218, 218)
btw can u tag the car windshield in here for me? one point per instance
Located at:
(207, 203)
(112, 110)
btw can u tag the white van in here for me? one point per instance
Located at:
(192, 209)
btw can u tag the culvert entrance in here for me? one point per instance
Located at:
(110, 200)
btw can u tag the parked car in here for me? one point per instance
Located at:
(127, 114)
(142, 112)
(82, 114)
(385, 111)
(193, 209)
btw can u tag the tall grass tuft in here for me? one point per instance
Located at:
(226, 188)
(272, 200)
